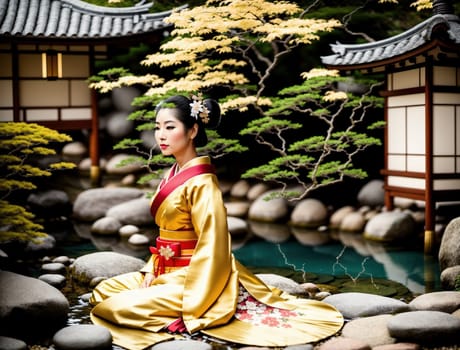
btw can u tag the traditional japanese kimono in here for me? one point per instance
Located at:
(199, 284)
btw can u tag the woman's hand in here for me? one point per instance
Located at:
(148, 279)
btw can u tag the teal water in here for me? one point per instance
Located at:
(410, 267)
(348, 255)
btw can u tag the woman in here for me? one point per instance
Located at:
(192, 281)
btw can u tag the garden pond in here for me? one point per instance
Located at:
(335, 261)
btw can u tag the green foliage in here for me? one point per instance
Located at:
(16, 223)
(267, 125)
(457, 283)
(317, 160)
(238, 56)
(218, 146)
(20, 145)
(128, 143)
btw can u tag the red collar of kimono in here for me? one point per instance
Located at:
(176, 181)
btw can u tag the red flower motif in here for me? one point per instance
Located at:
(257, 313)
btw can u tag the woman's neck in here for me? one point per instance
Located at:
(181, 161)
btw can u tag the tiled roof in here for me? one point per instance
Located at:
(75, 19)
(357, 54)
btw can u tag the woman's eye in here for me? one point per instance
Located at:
(170, 127)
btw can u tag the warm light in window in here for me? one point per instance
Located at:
(51, 65)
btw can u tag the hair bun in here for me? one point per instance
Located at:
(214, 113)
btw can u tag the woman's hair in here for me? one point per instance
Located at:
(205, 113)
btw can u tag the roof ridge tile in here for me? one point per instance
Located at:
(76, 19)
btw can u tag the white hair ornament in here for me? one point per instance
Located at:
(198, 109)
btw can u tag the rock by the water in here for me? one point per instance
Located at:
(23, 301)
(425, 327)
(93, 204)
(449, 250)
(7, 343)
(390, 227)
(84, 336)
(103, 264)
(353, 305)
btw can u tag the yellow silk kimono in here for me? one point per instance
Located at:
(207, 292)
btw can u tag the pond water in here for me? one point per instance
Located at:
(306, 256)
(320, 257)
(368, 261)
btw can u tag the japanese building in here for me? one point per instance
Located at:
(48, 49)
(422, 108)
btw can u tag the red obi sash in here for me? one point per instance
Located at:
(169, 253)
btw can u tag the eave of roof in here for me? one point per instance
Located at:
(418, 39)
(75, 19)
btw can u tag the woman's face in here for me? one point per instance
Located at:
(171, 135)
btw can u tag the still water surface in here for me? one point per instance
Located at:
(323, 254)
(411, 268)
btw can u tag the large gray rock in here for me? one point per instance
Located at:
(74, 149)
(342, 343)
(186, 344)
(283, 283)
(48, 199)
(353, 222)
(336, 218)
(237, 208)
(240, 189)
(22, 303)
(41, 244)
(116, 166)
(309, 212)
(237, 226)
(390, 227)
(135, 212)
(371, 330)
(372, 194)
(272, 210)
(445, 301)
(93, 204)
(354, 305)
(103, 264)
(84, 336)
(425, 327)
(257, 190)
(106, 226)
(50, 203)
(449, 277)
(118, 125)
(7, 343)
(449, 250)
(122, 98)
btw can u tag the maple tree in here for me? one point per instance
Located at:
(231, 49)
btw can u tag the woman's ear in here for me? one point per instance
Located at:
(194, 131)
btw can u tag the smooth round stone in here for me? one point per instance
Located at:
(425, 327)
(355, 304)
(128, 230)
(54, 268)
(182, 345)
(88, 337)
(54, 279)
(138, 239)
(7, 343)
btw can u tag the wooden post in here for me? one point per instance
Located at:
(429, 205)
(95, 171)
